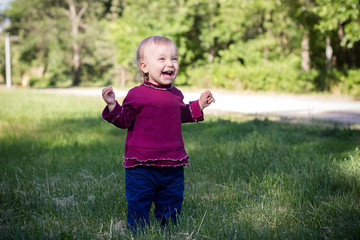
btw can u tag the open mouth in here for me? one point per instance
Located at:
(168, 74)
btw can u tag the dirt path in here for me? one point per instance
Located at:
(328, 108)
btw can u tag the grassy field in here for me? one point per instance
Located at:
(61, 176)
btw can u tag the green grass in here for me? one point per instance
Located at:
(61, 175)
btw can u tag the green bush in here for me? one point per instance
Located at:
(327, 80)
(199, 76)
(39, 82)
(350, 83)
(346, 82)
(283, 76)
(272, 76)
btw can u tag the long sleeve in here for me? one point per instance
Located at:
(192, 113)
(120, 116)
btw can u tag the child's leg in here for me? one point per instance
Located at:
(169, 194)
(139, 195)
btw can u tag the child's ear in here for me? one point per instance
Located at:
(143, 67)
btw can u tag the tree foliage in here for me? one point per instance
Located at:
(281, 45)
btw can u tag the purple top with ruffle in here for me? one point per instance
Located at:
(153, 116)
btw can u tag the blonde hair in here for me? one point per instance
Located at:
(141, 47)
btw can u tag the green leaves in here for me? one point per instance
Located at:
(340, 12)
(253, 33)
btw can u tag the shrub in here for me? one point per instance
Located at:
(39, 82)
(273, 76)
(350, 83)
(284, 76)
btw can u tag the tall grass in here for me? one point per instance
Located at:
(61, 176)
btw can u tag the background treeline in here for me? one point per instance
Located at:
(270, 45)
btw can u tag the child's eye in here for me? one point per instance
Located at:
(175, 58)
(161, 59)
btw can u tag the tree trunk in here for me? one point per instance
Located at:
(114, 9)
(76, 56)
(118, 70)
(305, 54)
(345, 52)
(211, 55)
(75, 23)
(329, 53)
(269, 34)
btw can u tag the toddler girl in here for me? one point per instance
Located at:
(154, 149)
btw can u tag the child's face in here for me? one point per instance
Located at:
(160, 62)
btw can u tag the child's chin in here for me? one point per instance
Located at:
(166, 81)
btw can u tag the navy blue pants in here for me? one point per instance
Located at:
(162, 185)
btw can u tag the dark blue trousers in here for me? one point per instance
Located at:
(162, 185)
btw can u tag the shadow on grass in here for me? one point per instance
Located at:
(310, 173)
(242, 174)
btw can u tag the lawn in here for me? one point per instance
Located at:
(61, 175)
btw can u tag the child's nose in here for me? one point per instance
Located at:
(169, 62)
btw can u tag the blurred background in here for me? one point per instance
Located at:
(293, 46)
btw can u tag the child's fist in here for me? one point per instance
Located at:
(206, 99)
(109, 96)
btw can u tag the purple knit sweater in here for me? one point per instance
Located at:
(153, 115)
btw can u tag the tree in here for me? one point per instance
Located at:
(75, 17)
(340, 22)
(301, 12)
(33, 22)
(57, 36)
(162, 17)
(257, 44)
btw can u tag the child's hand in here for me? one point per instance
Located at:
(206, 99)
(109, 97)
